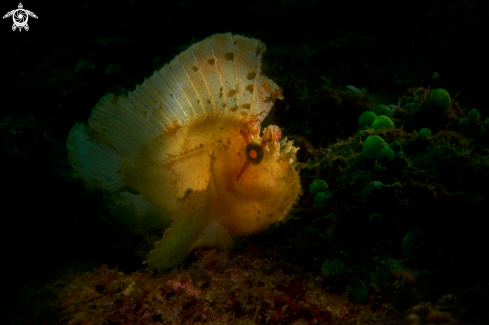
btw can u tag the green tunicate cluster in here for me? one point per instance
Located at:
(321, 192)
(320, 199)
(332, 267)
(84, 68)
(376, 223)
(378, 184)
(374, 147)
(317, 186)
(424, 133)
(118, 90)
(396, 146)
(381, 110)
(386, 155)
(381, 277)
(392, 264)
(463, 123)
(440, 98)
(415, 244)
(396, 185)
(374, 218)
(113, 70)
(366, 119)
(382, 122)
(358, 291)
(474, 115)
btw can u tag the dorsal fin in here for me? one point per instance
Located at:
(219, 75)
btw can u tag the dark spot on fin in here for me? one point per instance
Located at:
(228, 56)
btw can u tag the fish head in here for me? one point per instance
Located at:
(255, 181)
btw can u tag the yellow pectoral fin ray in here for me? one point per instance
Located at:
(189, 230)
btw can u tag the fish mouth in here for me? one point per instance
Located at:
(244, 198)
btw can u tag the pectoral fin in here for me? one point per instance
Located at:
(189, 230)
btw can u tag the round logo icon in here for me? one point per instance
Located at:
(20, 17)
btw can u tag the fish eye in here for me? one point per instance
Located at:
(254, 152)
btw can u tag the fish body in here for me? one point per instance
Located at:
(188, 141)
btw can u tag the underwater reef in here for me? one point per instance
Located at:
(376, 237)
(250, 288)
(386, 105)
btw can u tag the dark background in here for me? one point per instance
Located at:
(51, 224)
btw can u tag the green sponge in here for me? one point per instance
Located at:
(440, 98)
(396, 146)
(381, 110)
(382, 122)
(332, 267)
(386, 154)
(366, 119)
(474, 115)
(372, 145)
(375, 218)
(424, 133)
(321, 198)
(358, 291)
(318, 186)
(381, 277)
(463, 123)
(321, 191)
(415, 244)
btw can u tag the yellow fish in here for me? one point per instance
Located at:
(187, 141)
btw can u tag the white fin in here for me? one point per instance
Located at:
(139, 214)
(219, 75)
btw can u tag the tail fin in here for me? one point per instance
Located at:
(116, 129)
(98, 165)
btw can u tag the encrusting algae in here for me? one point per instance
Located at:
(188, 141)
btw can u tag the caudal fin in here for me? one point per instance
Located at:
(98, 165)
